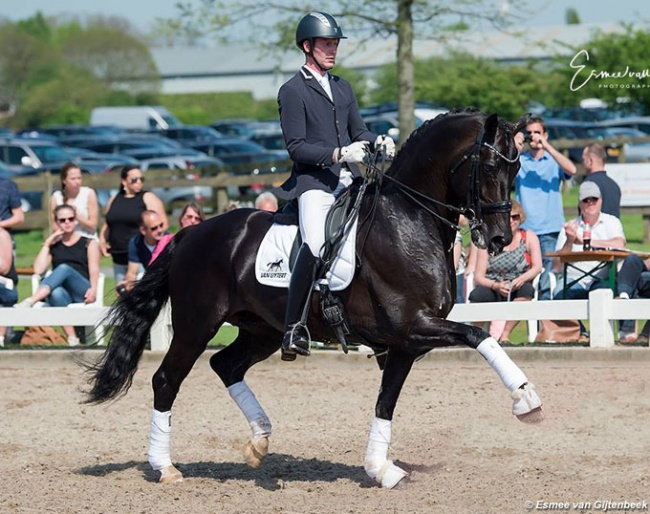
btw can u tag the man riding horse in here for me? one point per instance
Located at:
(326, 138)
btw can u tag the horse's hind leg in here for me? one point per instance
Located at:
(186, 347)
(231, 365)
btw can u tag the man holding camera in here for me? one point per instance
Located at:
(538, 186)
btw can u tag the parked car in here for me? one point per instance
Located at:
(387, 122)
(234, 128)
(189, 167)
(641, 123)
(66, 135)
(270, 140)
(568, 129)
(191, 134)
(38, 154)
(634, 152)
(143, 117)
(244, 155)
(109, 161)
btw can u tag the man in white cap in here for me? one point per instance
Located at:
(606, 231)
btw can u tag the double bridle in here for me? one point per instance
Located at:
(474, 208)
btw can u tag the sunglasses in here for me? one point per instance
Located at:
(65, 220)
(515, 217)
(136, 179)
(590, 199)
(155, 227)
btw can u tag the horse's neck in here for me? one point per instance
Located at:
(401, 219)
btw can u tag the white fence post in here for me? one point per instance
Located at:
(601, 333)
(161, 331)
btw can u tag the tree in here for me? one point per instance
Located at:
(273, 24)
(108, 48)
(464, 80)
(55, 73)
(572, 16)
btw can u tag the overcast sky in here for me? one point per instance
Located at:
(143, 12)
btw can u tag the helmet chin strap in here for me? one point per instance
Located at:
(313, 57)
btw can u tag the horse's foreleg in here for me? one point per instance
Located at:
(435, 333)
(377, 465)
(258, 445)
(527, 405)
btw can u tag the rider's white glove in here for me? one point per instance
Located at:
(385, 145)
(354, 152)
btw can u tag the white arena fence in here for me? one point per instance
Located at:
(601, 310)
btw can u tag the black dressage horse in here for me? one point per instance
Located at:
(460, 162)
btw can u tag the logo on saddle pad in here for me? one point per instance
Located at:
(274, 270)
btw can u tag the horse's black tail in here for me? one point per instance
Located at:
(131, 317)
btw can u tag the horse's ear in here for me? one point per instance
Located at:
(521, 123)
(491, 125)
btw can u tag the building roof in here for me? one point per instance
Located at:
(240, 62)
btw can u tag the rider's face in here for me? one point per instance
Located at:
(325, 52)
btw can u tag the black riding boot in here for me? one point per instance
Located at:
(303, 275)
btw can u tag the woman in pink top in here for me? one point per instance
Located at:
(192, 214)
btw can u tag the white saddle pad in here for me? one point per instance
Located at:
(272, 262)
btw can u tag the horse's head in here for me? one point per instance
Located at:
(462, 162)
(493, 164)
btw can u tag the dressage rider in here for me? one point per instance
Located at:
(326, 138)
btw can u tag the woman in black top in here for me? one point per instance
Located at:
(75, 267)
(123, 215)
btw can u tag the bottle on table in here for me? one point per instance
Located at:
(586, 237)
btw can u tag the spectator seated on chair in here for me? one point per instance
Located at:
(75, 267)
(510, 274)
(141, 248)
(633, 282)
(606, 231)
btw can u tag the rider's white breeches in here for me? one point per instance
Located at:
(313, 207)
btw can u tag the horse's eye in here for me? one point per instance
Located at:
(490, 166)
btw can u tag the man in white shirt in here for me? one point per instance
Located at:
(606, 231)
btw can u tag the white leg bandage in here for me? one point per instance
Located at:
(377, 465)
(250, 407)
(160, 440)
(509, 373)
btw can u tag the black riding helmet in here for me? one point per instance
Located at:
(317, 24)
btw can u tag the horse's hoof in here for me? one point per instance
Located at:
(255, 451)
(390, 475)
(534, 416)
(170, 475)
(525, 402)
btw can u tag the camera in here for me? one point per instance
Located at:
(527, 137)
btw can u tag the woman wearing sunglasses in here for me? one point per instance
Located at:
(510, 274)
(123, 215)
(75, 267)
